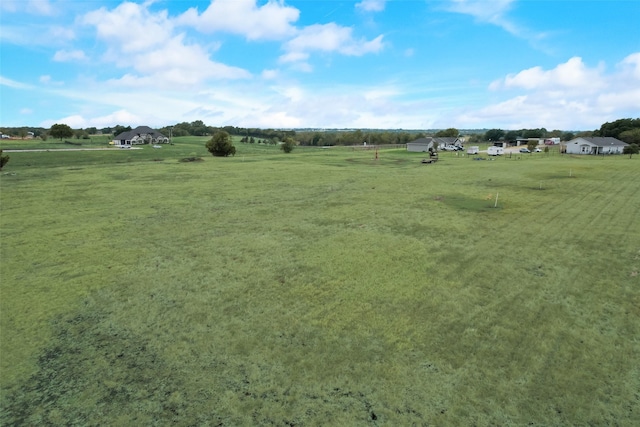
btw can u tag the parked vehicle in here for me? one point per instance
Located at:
(450, 148)
(537, 150)
(495, 151)
(524, 150)
(473, 149)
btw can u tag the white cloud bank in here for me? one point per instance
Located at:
(271, 21)
(328, 38)
(154, 54)
(569, 96)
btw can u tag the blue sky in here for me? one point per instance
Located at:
(410, 64)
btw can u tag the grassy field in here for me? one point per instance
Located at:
(318, 288)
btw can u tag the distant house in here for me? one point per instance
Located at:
(594, 145)
(140, 135)
(420, 145)
(442, 142)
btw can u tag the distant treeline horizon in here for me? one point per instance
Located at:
(626, 129)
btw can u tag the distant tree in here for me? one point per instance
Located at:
(474, 138)
(493, 134)
(3, 160)
(61, 131)
(532, 145)
(287, 145)
(631, 136)
(567, 136)
(631, 149)
(91, 130)
(584, 134)
(535, 133)
(451, 132)
(617, 127)
(117, 130)
(220, 145)
(512, 135)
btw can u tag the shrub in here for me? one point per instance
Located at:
(287, 145)
(3, 160)
(220, 145)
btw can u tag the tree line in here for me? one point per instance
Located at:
(627, 130)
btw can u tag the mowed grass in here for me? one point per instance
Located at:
(322, 287)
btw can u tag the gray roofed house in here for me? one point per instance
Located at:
(420, 145)
(140, 135)
(595, 145)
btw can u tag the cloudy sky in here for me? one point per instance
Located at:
(411, 64)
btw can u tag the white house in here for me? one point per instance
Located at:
(420, 145)
(595, 145)
(443, 141)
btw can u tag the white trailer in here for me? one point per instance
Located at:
(495, 151)
(474, 149)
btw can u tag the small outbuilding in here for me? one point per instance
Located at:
(420, 145)
(140, 135)
(595, 145)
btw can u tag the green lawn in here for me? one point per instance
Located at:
(323, 287)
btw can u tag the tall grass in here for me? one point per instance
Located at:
(323, 287)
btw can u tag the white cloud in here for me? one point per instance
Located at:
(177, 64)
(130, 27)
(328, 38)
(631, 66)
(40, 7)
(144, 42)
(270, 74)
(484, 10)
(48, 80)
(571, 74)
(495, 12)
(271, 21)
(69, 55)
(61, 33)
(39, 35)
(371, 5)
(14, 84)
(569, 96)
(78, 121)
(26, 111)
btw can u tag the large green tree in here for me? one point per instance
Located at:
(512, 135)
(61, 131)
(450, 132)
(535, 133)
(220, 145)
(493, 134)
(631, 136)
(617, 127)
